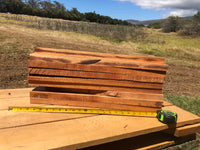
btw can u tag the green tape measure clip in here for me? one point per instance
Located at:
(166, 116)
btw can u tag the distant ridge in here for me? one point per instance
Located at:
(146, 22)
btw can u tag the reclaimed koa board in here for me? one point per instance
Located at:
(100, 80)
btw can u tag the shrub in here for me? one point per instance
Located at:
(157, 25)
(173, 24)
(191, 27)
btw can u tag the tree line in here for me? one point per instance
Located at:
(184, 26)
(46, 8)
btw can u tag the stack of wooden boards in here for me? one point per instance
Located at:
(99, 80)
(39, 130)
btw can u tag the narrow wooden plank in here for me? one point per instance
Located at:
(168, 140)
(99, 105)
(158, 146)
(12, 93)
(93, 87)
(118, 94)
(43, 63)
(85, 132)
(98, 82)
(185, 130)
(18, 101)
(21, 98)
(98, 75)
(95, 98)
(68, 52)
(95, 62)
(153, 141)
(188, 145)
(24, 102)
(19, 119)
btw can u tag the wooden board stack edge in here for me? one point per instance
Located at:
(94, 100)
(80, 72)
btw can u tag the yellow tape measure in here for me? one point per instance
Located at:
(84, 111)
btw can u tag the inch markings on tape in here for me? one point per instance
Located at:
(83, 111)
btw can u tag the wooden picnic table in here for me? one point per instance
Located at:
(34, 130)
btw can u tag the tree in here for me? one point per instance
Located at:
(45, 8)
(193, 27)
(173, 24)
(59, 6)
(34, 3)
(47, 5)
(91, 16)
(12, 6)
(75, 14)
(197, 17)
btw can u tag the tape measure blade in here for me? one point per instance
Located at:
(83, 111)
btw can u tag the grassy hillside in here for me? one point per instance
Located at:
(176, 49)
(119, 32)
(19, 37)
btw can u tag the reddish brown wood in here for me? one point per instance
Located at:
(66, 52)
(104, 62)
(98, 82)
(126, 73)
(94, 87)
(64, 83)
(96, 79)
(95, 98)
(97, 75)
(117, 94)
(91, 104)
(137, 95)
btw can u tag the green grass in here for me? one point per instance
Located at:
(187, 103)
(176, 49)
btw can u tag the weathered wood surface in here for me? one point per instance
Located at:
(93, 87)
(67, 52)
(132, 95)
(98, 82)
(100, 105)
(89, 71)
(101, 62)
(140, 76)
(38, 96)
(95, 98)
(117, 94)
(185, 130)
(44, 63)
(27, 131)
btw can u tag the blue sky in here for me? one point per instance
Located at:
(135, 9)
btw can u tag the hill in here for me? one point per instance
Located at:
(146, 22)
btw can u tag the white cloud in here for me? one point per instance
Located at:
(179, 7)
(180, 13)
